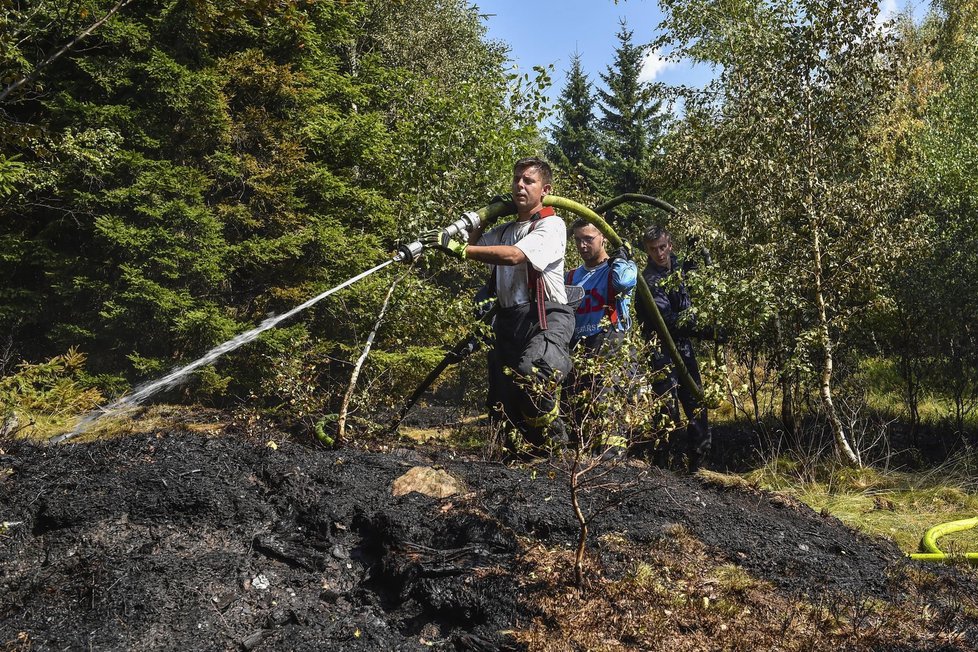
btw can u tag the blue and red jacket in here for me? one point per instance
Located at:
(607, 293)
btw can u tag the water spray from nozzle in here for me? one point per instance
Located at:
(177, 376)
(405, 253)
(408, 253)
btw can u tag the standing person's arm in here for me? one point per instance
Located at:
(662, 302)
(476, 234)
(489, 251)
(685, 318)
(496, 254)
(486, 249)
(624, 274)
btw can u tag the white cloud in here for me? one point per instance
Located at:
(655, 64)
(888, 11)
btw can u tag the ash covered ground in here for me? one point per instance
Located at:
(174, 540)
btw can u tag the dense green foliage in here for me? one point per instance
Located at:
(830, 168)
(197, 165)
(190, 167)
(934, 305)
(782, 148)
(52, 387)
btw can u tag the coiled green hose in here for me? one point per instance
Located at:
(928, 544)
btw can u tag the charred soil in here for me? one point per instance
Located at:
(175, 540)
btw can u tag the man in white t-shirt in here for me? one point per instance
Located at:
(534, 325)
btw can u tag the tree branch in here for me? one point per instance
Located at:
(341, 420)
(61, 52)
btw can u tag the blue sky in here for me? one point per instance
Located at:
(543, 32)
(546, 32)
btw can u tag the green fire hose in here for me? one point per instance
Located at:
(487, 215)
(632, 197)
(929, 543)
(644, 294)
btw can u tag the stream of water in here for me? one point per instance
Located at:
(176, 376)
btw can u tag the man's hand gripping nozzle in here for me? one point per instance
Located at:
(443, 239)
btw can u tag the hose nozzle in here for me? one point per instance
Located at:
(408, 253)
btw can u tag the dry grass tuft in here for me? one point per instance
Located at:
(734, 579)
(724, 480)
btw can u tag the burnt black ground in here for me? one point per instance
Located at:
(179, 541)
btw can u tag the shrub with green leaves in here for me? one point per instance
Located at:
(51, 388)
(197, 166)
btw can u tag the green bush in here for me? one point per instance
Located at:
(52, 388)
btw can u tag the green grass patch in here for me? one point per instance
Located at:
(140, 420)
(903, 517)
(898, 505)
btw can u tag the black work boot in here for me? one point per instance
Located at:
(557, 439)
(697, 457)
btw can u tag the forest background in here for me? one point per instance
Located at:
(189, 167)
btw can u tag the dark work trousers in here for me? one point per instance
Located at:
(698, 436)
(524, 358)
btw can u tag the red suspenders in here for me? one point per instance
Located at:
(534, 279)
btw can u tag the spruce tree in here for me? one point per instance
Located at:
(631, 121)
(194, 168)
(574, 146)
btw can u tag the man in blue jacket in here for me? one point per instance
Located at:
(603, 316)
(608, 282)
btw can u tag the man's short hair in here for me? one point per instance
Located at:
(546, 173)
(655, 232)
(579, 223)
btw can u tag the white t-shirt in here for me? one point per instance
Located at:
(543, 247)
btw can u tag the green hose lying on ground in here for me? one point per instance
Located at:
(929, 543)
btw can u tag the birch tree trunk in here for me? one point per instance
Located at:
(345, 406)
(842, 446)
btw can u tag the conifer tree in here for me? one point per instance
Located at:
(631, 121)
(196, 167)
(574, 148)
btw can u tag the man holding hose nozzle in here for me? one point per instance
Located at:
(533, 329)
